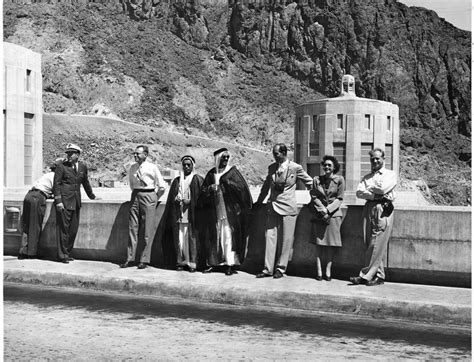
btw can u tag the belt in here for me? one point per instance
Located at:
(41, 192)
(143, 190)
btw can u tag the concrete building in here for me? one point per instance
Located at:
(22, 116)
(22, 127)
(347, 127)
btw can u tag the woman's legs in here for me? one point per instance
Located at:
(319, 268)
(329, 252)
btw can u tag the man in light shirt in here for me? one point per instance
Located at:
(147, 186)
(34, 208)
(377, 189)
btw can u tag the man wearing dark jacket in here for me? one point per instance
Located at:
(68, 178)
(180, 232)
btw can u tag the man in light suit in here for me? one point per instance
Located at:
(68, 178)
(282, 210)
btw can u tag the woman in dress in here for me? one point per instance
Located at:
(326, 198)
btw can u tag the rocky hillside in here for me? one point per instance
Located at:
(235, 72)
(108, 145)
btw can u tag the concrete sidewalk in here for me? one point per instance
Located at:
(391, 301)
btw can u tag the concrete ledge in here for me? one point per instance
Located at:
(392, 301)
(428, 245)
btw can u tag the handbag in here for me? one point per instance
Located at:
(318, 217)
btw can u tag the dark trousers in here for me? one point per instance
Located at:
(34, 208)
(67, 224)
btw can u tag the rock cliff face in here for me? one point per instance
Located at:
(235, 69)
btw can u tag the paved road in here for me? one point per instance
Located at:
(53, 323)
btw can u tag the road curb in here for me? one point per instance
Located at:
(359, 306)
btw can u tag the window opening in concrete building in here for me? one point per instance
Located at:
(315, 127)
(367, 121)
(4, 146)
(365, 158)
(28, 80)
(388, 157)
(389, 123)
(314, 169)
(339, 151)
(313, 149)
(340, 121)
(28, 141)
(299, 124)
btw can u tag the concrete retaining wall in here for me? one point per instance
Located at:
(429, 245)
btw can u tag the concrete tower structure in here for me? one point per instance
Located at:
(22, 116)
(347, 127)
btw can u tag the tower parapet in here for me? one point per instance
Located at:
(347, 127)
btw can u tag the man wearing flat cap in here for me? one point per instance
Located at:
(34, 208)
(147, 186)
(180, 222)
(68, 178)
(226, 201)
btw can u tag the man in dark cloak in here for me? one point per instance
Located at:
(181, 235)
(226, 201)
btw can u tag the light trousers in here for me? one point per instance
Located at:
(279, 236)
(377, 230)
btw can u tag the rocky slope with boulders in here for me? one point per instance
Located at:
(234, 70)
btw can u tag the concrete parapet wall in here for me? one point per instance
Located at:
(429, 245)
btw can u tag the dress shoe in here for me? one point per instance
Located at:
(326, 278)
(64, 261)
(278, 274)
(319, 278)
(22, 256)
(358, 280)
(228, 271)
(192, 270)
(142, 266)
(70, 259)
(179, 268)
(375, 282)
(208, 270)
(263, 275)
(127, 264)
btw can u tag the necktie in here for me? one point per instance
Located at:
(74, 166)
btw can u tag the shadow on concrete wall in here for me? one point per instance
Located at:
(47, 247)
(118, 237)
(162, 253)
(254, 260)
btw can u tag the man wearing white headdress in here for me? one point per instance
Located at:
(226, 199)
(180, 233)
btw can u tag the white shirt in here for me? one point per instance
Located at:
(381, 182)
(146, 176)
(45, 183)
